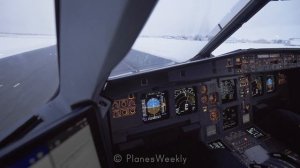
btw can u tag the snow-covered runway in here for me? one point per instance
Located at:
(11, 44)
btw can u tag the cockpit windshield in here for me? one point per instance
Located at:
(177, 30)
(276, 26)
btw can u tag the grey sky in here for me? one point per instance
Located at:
(27, 16)
(187, 17)
(279, 19)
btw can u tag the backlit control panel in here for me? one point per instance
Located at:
(239, 141)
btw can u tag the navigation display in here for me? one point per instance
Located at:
(185, 100)
(257, 86)
(228, 90)
(230, 117)
(270, 83)
(154, 106)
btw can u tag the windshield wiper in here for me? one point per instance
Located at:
(233, 25)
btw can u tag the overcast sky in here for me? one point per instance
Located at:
(187, 17)
(279, 19)
(27, 16)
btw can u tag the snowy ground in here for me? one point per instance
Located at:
(227, 47)
(11, 44)
(176, 50)
(173, 49)
(182, 50)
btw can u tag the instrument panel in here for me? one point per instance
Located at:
(185, 100)
(154, 106)
(123, 107)
(257, 86)
(270, 84)
(217, 94)
(228, 90)
(230, 117)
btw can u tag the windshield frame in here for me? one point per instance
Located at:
(246, 13)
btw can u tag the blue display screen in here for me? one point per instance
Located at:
(154, 106)
(270, 83)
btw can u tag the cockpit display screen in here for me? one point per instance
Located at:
(154, 106)
(230, 117)
(257, 86)
(185, 100)
(228, 90)
(270, 83)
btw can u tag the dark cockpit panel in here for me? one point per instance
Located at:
(217, 99)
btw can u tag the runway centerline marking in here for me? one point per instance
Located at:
(16, 85)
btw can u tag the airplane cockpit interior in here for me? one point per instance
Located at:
(167, 83)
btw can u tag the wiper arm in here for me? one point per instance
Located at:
(233, 25)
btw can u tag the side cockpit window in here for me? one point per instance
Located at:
(28, 58)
